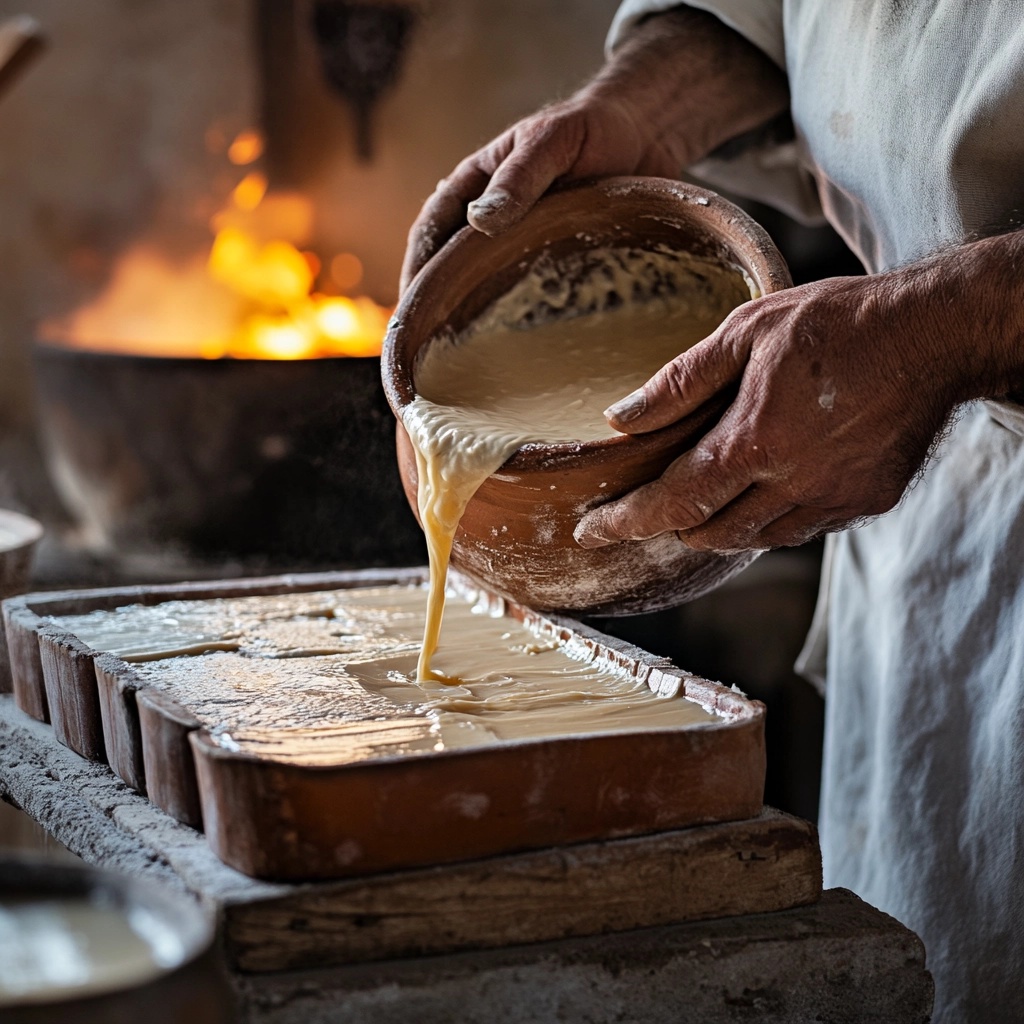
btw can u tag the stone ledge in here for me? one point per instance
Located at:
(838, 961)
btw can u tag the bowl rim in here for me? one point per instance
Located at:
(537, 455)
(26, 875)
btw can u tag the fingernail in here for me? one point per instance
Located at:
(590, 535)
(490, 203)
(628, 408)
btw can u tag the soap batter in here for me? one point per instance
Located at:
(329, 677)
(497, 387)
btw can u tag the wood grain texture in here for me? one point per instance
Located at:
(27, 684)
(122, 734)
(167, 756)
(71, 693)
(768, 863)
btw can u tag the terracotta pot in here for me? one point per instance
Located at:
(517, 534)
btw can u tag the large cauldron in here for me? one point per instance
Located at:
(278, 464)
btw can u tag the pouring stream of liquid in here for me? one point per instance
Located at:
(481, 397)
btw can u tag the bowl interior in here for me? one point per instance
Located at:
(175, 931)
(473, 270)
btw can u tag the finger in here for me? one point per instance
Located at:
(442, 215)
(538, 156)
(802, 525)
(736, 528)
(684, 384)
(687, 494)
(739, 525)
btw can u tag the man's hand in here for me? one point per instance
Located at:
(586, 136)
(681, 85)
(844, 385)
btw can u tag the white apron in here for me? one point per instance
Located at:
(910, 135)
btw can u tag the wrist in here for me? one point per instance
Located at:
(965, 307)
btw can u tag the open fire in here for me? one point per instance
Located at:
(258, 293)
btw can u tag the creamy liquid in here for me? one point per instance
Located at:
(330, 678)
(53, 949)
(481, 396)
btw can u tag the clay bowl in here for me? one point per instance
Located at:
(19, 536)
(517, 533)
(182, 980)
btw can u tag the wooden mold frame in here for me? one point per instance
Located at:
(295, 822)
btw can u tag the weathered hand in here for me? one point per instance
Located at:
(678, 87)
(586, 136)
(844, 385)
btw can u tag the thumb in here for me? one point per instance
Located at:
(544, 149)
(684, 384)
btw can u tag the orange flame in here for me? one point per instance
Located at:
(246, 148)
(254, 298)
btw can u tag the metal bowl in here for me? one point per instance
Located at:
(273, 465)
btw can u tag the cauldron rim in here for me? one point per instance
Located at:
(48, 347)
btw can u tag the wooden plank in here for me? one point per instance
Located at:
(27, 684)
(769, 863)
(167, 755)
(71, 692)
(122, 734)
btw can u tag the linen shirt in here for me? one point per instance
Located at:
(909, 118)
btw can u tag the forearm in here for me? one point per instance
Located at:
(963, 311)
(679, 86)
(693, 80)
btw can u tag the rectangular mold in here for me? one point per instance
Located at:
(277, 820)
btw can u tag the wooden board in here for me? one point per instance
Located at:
(276, 820)
(767, 863)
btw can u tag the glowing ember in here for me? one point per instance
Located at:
(247, 147)
(255, 295)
